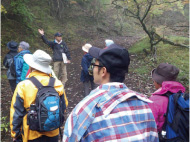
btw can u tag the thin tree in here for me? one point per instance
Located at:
(140, 10)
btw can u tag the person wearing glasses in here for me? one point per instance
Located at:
(111, 112)
(61, 55)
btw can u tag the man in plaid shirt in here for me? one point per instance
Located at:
(112, 112)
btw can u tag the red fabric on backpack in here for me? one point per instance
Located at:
(28, 72)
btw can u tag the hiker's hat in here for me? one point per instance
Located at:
(24, 45)
(86, 47)
(58, 34)
(12, 45)
(108, 42)
(165, 72)
(40, 60)
(115, 58)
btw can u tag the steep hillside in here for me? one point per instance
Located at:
(77, 24)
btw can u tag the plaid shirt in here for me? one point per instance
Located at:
(111, 112)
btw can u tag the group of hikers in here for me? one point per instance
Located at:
(110, 112)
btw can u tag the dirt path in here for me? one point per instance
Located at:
(74, 88)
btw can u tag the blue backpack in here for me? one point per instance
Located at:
(176, 127)
(47, 112)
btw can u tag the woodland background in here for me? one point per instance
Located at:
(154, 31)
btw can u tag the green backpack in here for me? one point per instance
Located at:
(90, 69)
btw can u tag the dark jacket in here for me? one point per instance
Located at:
(85, 63)
(21, 67)
(58, 49)
(7, 63)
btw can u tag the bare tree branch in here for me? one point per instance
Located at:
(138, 8)
(128, 11)
(166, 2)
(157, 41)
(174, 44)
(147, 10)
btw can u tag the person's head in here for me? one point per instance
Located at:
(58, 36)
(23, 46)
(40, 61)
(12, 45)
(164, 72)
(86, 47)
(108, 42)
(111, 64)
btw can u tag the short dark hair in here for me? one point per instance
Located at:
(114, 77)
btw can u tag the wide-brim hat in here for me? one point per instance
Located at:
(12, 45)
(165, 72)
(40, 60)
(86, 47)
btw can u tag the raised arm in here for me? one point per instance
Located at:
(49, 43)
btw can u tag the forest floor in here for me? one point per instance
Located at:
(74, 88)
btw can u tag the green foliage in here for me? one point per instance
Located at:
(178, 56)
(3, 76)
(140, 45)
(142, 70)
(19, 7)
(4, 124)
(167, 5)
(3, 10)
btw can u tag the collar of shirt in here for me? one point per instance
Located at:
(58, 42)
(106, 97)
(116, 93)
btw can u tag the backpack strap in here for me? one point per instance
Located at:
(168, 94)
(175, 123)
(35, 82)
(51, 82)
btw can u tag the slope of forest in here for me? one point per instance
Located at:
(93, 21)
(77, 24)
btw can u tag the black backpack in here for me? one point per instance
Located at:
(12, 68)
(176, 126)
(47, 113)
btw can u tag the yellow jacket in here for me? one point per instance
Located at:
(23, 97)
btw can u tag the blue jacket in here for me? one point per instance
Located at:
(21, 67)
(85, 63)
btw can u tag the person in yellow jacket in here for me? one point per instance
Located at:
(25, 95)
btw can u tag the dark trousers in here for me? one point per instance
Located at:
(87, 87)
(12, 84)
(45, 139)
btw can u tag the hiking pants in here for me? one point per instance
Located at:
(60, 71)
(45, 139)
(12, 84)
(87, 87)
